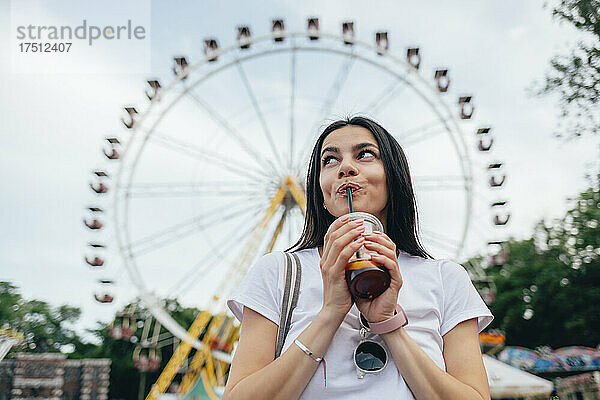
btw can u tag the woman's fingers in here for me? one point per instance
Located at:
(338, 223)
(383, 239)
(386, 253)
(391, 266)
(346, 253)
(346, 236)
(343, 247)
(373, 245)
(331, 245)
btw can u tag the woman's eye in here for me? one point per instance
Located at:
(327, 160)
(363, 153)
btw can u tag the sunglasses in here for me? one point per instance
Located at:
(370, 357)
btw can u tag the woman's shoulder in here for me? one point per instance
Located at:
(274, 262)
(440, 269)
(266, 268)
(311, 252)
(260, 289)
(450, 268)
(273, 259)
(309, 259)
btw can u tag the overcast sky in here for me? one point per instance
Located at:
(53, 125)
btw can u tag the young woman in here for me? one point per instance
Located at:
(435, 355)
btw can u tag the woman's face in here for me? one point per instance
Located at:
(350, 157)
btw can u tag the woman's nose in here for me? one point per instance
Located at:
(347, 168)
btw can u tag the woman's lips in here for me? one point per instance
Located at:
(345, 193)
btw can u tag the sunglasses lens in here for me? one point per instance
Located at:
(370, 356)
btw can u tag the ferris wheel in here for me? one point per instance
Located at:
(209, 174)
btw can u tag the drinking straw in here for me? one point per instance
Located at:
(349, 193)
(351, 209)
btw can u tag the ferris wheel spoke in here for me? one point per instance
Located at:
(202, 266)
(439, 182)
(238, 270)
(191, 277)
(480, 196)
(379, 102)
(330, 100)
(219, 159)
(278, 229)
(190, 282)
(292, 101)
(164, 237)
(424, 131)
(197, 189)
(253, 242)
(232, 132)
(423, 137)
(259, 113)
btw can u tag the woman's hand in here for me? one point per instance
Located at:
(338, 247)
(383, 306)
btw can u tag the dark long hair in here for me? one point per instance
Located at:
(401, 208)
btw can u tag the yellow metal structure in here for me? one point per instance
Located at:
(181, 353)
(222, 329)
(297, 193)
(277, 232)
(249, 252)
(203, 355)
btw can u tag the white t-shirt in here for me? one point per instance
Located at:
(436, 295)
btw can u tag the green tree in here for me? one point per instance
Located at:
(124, 377)
(49, 329)
(46, 328)
(548, 293)
(575, 77)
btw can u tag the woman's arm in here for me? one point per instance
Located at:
(254, 374)
(465, 377)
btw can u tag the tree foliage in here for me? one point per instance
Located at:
(50, 329)
(124, 377)
(46, 328)
(548, 293)
(575, 77)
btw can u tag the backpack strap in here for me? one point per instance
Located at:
(292, 276)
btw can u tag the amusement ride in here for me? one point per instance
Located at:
(208, 174)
